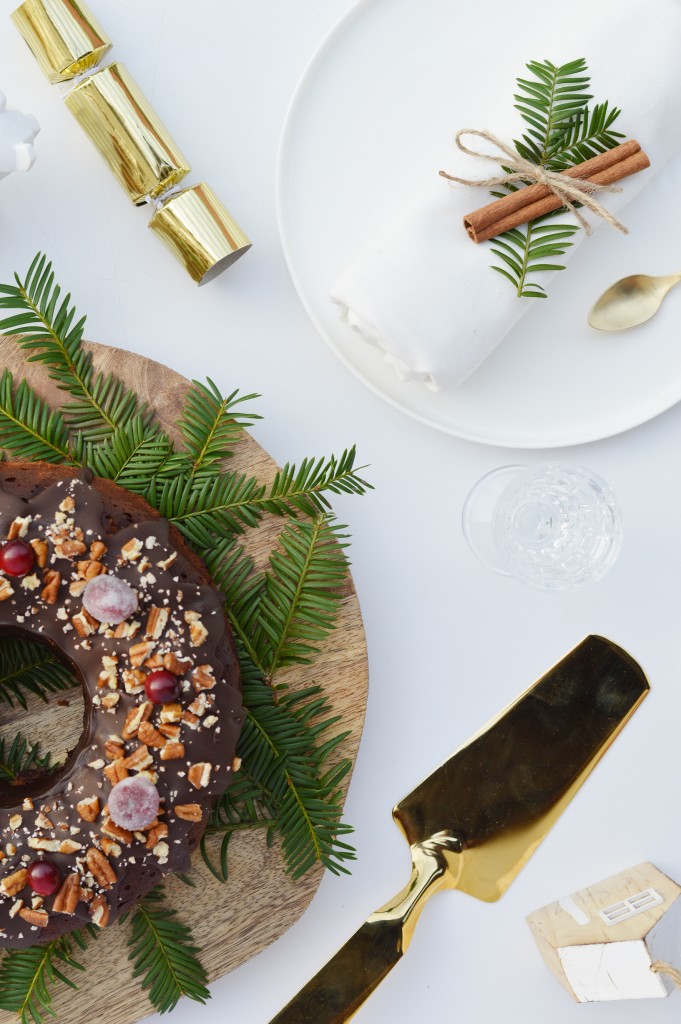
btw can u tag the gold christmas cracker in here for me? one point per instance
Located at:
(68, 44)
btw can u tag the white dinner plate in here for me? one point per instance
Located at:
(372, 101)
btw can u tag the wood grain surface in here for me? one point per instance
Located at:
(233, 921)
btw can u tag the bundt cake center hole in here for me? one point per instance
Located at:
(42, 716)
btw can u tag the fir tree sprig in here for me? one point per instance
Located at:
(163, 954)
(28, 976)
(562, 131)
(30, 668)
(19, 757)
(29, 429)
(211, 424)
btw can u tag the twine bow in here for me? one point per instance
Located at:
(569, 190)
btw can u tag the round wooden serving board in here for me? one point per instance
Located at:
(231, 922)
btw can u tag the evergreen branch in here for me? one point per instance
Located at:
(526, 251)
(164, 956)
(27, 976)
(211, 424)
(548, 103)
(589, 134)
(100, 403)
(29, 668)
(133, 455)
(28, 428)
(20, 758)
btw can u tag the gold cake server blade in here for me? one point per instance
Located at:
(476, 821)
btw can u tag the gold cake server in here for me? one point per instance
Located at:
(477, 820)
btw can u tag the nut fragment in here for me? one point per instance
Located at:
(157, 621)
(140, 652)
(188, 812)
(150, 735)
(52, 581)
(40, 843)
(88, 809)
(171, 732)
(69, 549)
(99, 911)
(161, 850)
(70, 846)
(18, 527)
(134, 719)
(6, 589)
(110, 700)
(172, 751)
(198, 634)
(84, 623)
(38, 918)
(66, 900)
(127, 630)
(111, 849)
(131, 551)
(199, 774)
(15, 822)
(109, 672)
(133, 680)
(178, 666)
(139, 759)
(158, 832)
(41, 551)
(104, 874)
(115, 831)
(203, 678)
(97, 550)
(116, 771)
(113, 748)
(171, 713)
(12, 884)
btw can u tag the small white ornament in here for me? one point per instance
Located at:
(601, 943)
(17, 134)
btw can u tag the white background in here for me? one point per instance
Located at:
(449, 642)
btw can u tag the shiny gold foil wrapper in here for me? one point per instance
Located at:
(201, 233)
(63, 35)
(140, 151)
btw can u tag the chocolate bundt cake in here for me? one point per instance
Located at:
(90, 570)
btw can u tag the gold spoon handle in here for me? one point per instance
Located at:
(340, 988)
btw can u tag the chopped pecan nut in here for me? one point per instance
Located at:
(12, 884)
(97, 550)
(41, 551)
(88, 809)
(131, 551)
(66, 900)
(15, 822)
(113, 748)
(126, 630)
(198, 634)
(134, 719)
(18, 527)
(139, 759)
(171, 713)
(68, 504)
(199, 774)
(172, 750)
(6, 589)
(50, 591)
(110, 700)
(42, 821)
(157, 621)
(236, 764)
(99, 911)
(190, 719)
(116, 832)
(103, 873)
(133, 680)
(70, 846)
(116, 771)
(84, 623)
(155, 834)
(188, 812)
(178, 666)
(69, 549)
(148, 734)
(40, 843)
(140, 652)
(76, 587)
(38, 918)
(171, 732)
(109, 672)
(203, 678)
(87, 570)
(154, 662)
(111, 849)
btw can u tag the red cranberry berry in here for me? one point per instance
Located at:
(44, 877)
(162, 687)
(17, 558)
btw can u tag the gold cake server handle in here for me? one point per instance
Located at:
(339, 989)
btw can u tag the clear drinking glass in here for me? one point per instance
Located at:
(554, 526)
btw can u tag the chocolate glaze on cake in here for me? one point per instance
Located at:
(80, 528)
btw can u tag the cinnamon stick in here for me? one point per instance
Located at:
(537, 200)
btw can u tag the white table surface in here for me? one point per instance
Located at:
(449, 642)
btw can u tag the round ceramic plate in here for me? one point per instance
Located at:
(372, 101)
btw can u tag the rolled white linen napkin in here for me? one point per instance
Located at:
(421, 290)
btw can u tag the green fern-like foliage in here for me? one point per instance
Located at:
(562, 131)
(163, 954)
(28, 668)
(289, 786)
(18, 758)
(28, 976)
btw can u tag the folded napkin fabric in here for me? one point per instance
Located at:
(421, 290)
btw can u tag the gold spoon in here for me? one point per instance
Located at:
(630, 302)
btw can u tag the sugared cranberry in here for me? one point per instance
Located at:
(17, 558)
(162, 687)
(44, 877)
(109, 599)
(133, 803)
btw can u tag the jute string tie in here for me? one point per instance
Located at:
(660, 967)
(569, 190)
